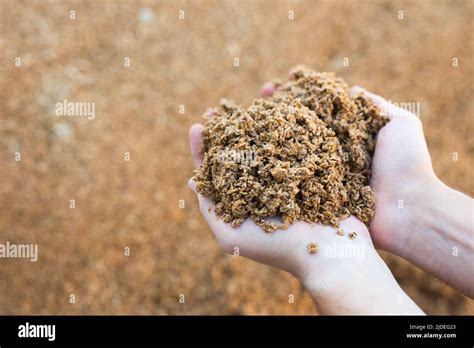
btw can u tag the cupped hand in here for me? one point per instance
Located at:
(401, 173)
(346, 275)
(282, 249)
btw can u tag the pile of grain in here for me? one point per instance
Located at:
(302, 154)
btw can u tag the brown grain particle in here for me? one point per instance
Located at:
(312, 247)
(352, 235)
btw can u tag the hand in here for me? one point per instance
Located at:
(282, 249)
(416, 215)
(344, 276)
(401, 172)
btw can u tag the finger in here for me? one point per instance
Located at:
(207, 208)
(268, 89)
(390, 110)
(376, 99)
(205, 204)
(210, 113)
(195, 140)
(291, 74)
(248, 240)
(223, 232)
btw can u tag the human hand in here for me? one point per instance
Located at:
(401, 173)
(336, 275)
(416, 215)
(282, 249)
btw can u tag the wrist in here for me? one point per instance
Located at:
(421, 213)
(359, 287)
(338, 256)
(414, 207)
(438, 235)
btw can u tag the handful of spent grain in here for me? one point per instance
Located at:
(302, 154)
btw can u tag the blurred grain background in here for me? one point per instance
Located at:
(190, 62)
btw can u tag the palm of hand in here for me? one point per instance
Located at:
(282, 249)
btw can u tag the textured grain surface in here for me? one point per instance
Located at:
(302, 154)
(190, 62)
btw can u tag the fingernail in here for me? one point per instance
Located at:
(356, 90)
(192, 185)
(210, 113)
(268, 89)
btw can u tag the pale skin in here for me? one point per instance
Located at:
(417, 216)
(360, 282)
